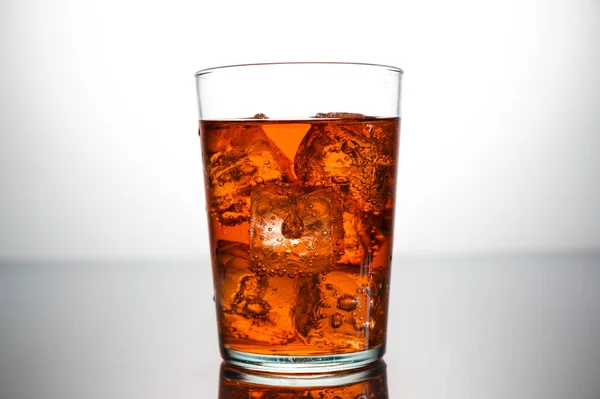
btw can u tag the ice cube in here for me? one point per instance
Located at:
(356, 154)
(238, 158)
(339, 115)
(294, 230)
(252, 308)
(336, 311)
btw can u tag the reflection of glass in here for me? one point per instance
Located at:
(366, 383)
(300, 200)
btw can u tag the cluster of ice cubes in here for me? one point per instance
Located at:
(339, 309)
(320, 223)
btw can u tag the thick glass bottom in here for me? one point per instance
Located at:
(302, 364)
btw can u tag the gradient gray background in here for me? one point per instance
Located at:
(105, 286)
(100, 155)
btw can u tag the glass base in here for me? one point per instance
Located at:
(302, 364)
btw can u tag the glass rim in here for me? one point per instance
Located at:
(389, 68)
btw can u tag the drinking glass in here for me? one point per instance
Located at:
(300, 164)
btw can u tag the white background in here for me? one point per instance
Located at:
(100, 159)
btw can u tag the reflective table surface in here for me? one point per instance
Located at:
(504, 327)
